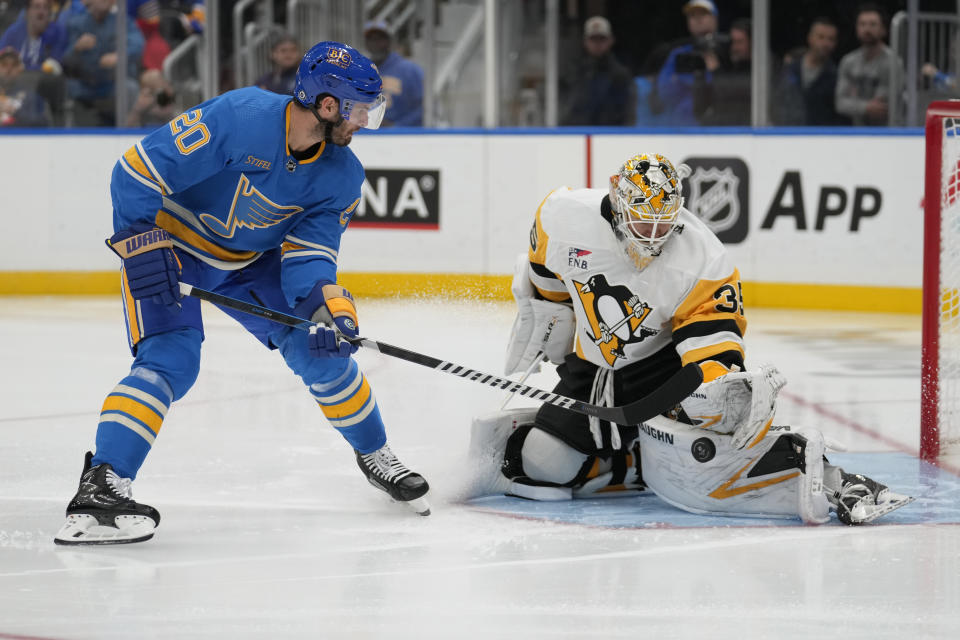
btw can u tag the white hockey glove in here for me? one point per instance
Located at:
(540, 328)
(740, 404)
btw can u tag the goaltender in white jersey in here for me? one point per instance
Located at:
(622, 288)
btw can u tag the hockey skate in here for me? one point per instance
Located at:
(860, 499)
(104, 512)
(384, 471)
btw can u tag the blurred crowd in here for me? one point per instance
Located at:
(58, 60)
(705, 78)
(58, 67)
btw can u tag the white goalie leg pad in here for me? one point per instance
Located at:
(813, 506)
(544, 458)
(86, 529)
(702, 472)
(488, 441)
(541, 328)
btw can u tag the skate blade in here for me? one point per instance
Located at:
(892, 502)
(419, 505)
(84, 529)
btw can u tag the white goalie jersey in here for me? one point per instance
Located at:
(690, 294)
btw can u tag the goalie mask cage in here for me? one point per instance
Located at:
(940, 371)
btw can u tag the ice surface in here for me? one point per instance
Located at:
(269, 529)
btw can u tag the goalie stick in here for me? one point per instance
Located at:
(661, 399)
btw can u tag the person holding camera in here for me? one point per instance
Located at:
(690, 65)
(726, 100)
(156, 104)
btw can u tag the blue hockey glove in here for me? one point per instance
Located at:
(332, 306)
(153, 270)
(324, 342)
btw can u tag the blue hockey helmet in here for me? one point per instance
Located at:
(346, 74)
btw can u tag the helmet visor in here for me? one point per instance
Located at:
(368, 115)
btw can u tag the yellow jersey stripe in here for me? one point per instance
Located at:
(553, 296)
(153, 169)
(155, 403)
(356, 419)
(705, 353)
(712, 370)
(133, 409)
(538, 237)
(133, 160)
(349, 406)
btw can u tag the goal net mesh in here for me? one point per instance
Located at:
(948, 406)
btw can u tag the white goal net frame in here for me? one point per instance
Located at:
(940, 367)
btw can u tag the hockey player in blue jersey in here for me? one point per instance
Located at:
(246, 195)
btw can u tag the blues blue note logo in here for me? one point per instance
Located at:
(250, 210)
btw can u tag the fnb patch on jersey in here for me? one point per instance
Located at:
(577, 258)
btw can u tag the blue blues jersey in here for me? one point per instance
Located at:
(219, 179)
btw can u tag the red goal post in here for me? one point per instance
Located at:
(940, 366)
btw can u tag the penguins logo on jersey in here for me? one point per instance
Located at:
(615, 315)
(250, 210)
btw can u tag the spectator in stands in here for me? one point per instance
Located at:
(156, 104)
(20, 105)
(864, 86)
(155, 47)
(599, 89)
(807, 84)
(37, 37)
(726, 101)
(91, 60)
(41, 43)
(690, 67)
(402, 78)
(285, 55)
(179, 19)
(942, 83)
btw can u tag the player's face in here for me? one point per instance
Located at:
(648, 230)
(341, 134)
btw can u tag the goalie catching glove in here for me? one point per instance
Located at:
(541, 328)
(739, 403)
(332, 308)
(152, 268)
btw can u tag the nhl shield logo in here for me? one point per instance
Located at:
(714, 195)
(718, 191)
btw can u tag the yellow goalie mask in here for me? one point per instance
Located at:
(646, 198)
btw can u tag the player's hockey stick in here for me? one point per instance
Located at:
(662, 399)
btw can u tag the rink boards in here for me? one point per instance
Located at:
(936, 490)
(813, 220)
